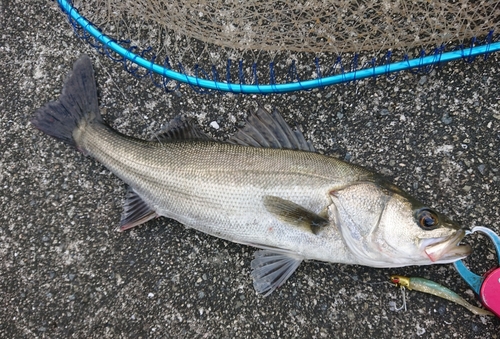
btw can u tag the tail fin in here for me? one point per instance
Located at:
(77, 101)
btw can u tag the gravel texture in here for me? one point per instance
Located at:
(65, 272)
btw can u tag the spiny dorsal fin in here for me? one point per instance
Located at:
(294, 214)
(271, 268)
(135, 211)
(271, 131)
(181, 128)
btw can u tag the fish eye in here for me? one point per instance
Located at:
(427, 219)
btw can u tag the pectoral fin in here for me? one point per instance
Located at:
(135, 211)
(271, 268)
(294, 214)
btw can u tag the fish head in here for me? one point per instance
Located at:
(383, 226)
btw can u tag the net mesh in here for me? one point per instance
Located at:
(282, 42)
(313, 26)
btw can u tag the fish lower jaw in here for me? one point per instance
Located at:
(460, 252)
(446, 249)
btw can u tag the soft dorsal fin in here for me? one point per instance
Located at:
(271, 131)
(294, 214)
(181, 128)
(135, 211)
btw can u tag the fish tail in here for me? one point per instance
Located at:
(77, 103)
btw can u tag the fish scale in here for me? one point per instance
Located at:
(266, 187)
(213, 196)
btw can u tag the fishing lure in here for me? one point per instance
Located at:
(431, 287)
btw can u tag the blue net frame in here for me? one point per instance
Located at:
(135, 61)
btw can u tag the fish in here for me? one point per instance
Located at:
(431, 287)
(265, 186)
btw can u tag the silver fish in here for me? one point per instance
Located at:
(266, 187)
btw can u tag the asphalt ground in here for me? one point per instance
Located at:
(65, 272)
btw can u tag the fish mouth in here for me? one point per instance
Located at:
(447, 249)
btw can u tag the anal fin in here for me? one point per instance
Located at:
(135, 211)
(271, 268)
